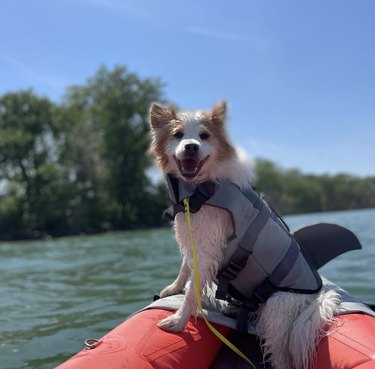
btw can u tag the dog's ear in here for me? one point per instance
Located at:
(159, 115)
(219, 112)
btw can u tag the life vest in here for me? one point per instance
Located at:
(261, 256)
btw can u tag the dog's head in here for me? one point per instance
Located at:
(190, 144)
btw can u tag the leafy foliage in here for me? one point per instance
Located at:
(290, 191)
(80, 165)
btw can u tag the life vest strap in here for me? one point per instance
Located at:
(197, 198)
(286, 263)
(230, 272)
(201, 195)
(266, 288)
(171, 212)
(244, 250)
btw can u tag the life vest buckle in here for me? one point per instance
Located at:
(233, 301)
(231, 271)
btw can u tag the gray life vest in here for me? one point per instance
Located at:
(261, 256)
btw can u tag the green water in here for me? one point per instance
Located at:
(54, 294)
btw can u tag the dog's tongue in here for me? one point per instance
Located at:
(189, 165)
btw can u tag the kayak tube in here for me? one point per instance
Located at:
(138, 343)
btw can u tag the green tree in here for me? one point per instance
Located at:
(111, 112)
(269, 180)
(28, 163)
(79, 166)
(86, 175)
(291, 191)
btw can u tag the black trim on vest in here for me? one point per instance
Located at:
(280, 272)
(264, 291)
(313, 269)
(240, 257)
(201, 194)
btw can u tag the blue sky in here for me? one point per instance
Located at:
(299, 76)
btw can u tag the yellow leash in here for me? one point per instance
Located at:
(197, 291)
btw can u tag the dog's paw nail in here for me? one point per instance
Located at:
(171, 324)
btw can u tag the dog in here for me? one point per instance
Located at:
(195, 147)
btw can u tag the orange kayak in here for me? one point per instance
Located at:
(138, 343)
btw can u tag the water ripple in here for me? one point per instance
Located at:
(56, 293)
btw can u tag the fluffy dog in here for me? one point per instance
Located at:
(195, 147)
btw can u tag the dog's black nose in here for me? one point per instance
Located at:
(191, 147)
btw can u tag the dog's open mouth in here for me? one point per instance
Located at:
(190, 167)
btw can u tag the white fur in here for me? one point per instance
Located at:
(192, 129)
(290, 325)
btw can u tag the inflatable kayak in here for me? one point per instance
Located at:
(138, 343)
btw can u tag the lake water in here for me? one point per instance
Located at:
(54, 294)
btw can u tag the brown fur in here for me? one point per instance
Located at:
(215, 124)
(165, 122)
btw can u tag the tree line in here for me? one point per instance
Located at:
(292, 192)
(80, 165)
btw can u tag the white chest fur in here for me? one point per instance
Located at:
(211, 227)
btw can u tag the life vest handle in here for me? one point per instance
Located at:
(197, 290)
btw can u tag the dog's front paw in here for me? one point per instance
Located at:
(170, 290)
(173, 323)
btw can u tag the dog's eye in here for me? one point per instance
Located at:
(204, 136)
(178, 135)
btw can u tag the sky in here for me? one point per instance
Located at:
(298, 76)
